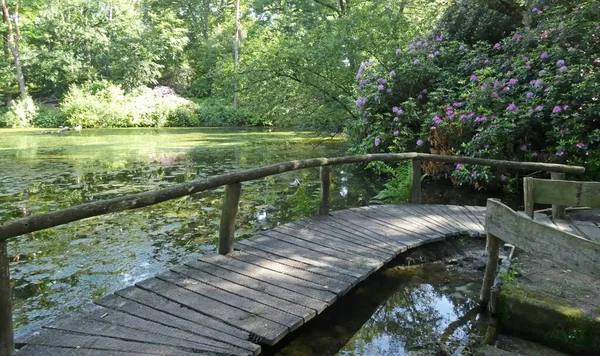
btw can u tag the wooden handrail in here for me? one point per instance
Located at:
(134, 201)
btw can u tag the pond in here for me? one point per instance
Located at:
(397, 311)
(59, 269)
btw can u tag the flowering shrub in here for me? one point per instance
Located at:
(20, 114)
(533, 96)
(102, 104)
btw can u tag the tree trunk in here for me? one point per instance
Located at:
(236, 51)
(13, 40)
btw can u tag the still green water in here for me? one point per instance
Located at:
(59, 269)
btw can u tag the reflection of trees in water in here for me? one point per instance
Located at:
(412, 319)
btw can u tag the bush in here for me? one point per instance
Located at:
(533, 96)
(49, 117)
(218, 113)
(20, 114)
(103, 104)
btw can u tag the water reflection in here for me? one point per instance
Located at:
(394, 312)
(413, 321)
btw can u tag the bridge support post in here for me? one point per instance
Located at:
(493, 251)
(231, 202)
(558, 211)
(415, 192)
(326, 176)
(7, 345)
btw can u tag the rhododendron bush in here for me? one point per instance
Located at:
(532, 96)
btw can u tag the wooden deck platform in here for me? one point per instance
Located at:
(579, 224)
(271, 285)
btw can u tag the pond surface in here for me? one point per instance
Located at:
(59, 269)
(396, 312)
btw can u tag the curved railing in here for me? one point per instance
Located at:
(232, 181)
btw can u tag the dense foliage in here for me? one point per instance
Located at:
(297, 57)
(532, 96)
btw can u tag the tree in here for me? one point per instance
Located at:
(13, 40)
(236, 51)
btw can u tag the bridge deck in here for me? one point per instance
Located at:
(274, 283)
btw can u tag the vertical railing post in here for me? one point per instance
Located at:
(326, 176)
(415, 192)
(558, 211)
(529, 198)
(492, 251)
(231, 202)
(7, 345)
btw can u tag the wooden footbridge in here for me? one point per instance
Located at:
(254, 295)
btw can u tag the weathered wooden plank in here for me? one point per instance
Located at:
(116, 317)
(175, 316)
(328, 226)
(587, 229)
(258, 296)
(404, 222)
(473, 227)
(350, 259)
(231, 202)
(576, 252)
(372, 248)
(325, 240)
(443, 211)
(59, 338)
(77, 323)
(479, 214)
(250, 306)
(267, 330)
(563, 225)
(399, 225)
(37, 350)
(352, 218)
(323, 288)
(466, 212)
(279, 291)
(298, 253)
(362, 233)
(563, 192)
(412, 214)
(313, 268)
(426, 215)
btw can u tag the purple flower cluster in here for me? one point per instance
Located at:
(512, 107)
(360, 102)
(362, 68)
(436, 120)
